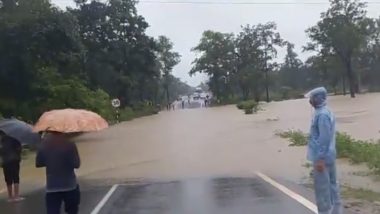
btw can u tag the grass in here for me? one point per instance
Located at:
(296, 137)
(357, 151)
(362, 194)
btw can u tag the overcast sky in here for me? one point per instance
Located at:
(185, 23)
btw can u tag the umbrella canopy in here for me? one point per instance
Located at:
(70, 121)
(19, 130)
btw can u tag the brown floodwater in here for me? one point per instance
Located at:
(216, 142)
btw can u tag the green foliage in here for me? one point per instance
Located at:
(80, 58)
(167, 59)
(249, 107)
(361, 194)
(342, 30)
(357, 151)
(216, 59)
(296, 137)
(238, 65)
(128, 113)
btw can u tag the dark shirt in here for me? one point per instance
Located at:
(10, 150)
(60, 157)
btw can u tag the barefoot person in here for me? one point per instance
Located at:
(322, 153)
(10, 153)
(61, 158)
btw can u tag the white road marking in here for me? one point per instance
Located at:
(105, 199)
(308, 204)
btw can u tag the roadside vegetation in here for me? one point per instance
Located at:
(53, 58)
(249, 107)
(346, 56)
(357, 151)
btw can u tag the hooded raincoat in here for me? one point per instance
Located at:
(322, 146)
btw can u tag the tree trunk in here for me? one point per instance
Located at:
(357, 83)
(344, 84)
(167, 97)
(267, 86)
(350, 76)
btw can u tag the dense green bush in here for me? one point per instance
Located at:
(249, 106)
(358, 151)
(128, 113)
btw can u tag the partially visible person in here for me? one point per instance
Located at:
(322, 153)
(10, 153)
(60, 157)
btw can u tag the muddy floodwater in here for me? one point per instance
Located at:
(215, 142)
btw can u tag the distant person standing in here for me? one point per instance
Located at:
(183, 104)
(205, 103)
(10, 153)
(322, 153)
(60, 158)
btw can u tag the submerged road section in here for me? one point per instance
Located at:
(232, 195)
(201, 196)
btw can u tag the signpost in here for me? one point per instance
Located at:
(116, 104)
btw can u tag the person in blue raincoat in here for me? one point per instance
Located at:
(322, 153)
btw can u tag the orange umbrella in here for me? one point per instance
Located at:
(70, 121)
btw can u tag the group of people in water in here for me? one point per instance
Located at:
(182, 103)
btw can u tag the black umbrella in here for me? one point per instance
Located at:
(19, 130)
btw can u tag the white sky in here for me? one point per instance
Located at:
(185, 23)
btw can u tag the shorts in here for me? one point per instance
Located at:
(11, 172)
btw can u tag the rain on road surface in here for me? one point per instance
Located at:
(195, 161)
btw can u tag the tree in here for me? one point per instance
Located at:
(34, 37)
(216, 58)
(167, 59)
(342, 31)
(256, 48)
(270, 40)
(120, 57)
(291, 70)
(77, 58)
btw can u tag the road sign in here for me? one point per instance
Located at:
(115, 103)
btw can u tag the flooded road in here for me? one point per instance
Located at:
(189, 196)
(193, 148)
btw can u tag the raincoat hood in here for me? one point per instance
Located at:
(318, 96)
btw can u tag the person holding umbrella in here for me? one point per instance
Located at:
(61, 158)
(14, 133)
(10, 153)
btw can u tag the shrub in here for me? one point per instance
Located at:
(248, 111)
(249, 106)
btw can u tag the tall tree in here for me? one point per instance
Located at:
(120, 56)
(341, 31)
(216, 58)
(270, 40)
(291, 72)
(256, 48)
(167, 59)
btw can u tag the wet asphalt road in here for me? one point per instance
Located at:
(193, 196)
